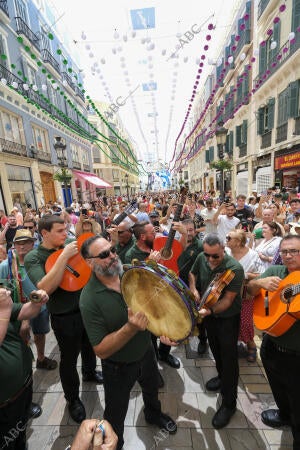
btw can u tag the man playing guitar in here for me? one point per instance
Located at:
(222, 320)
(280, 355)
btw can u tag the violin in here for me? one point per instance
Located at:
(77, 272)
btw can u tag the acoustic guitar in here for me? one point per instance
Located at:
(169, 248)
(275, 312)
(129, 210)
(215, 288)
(77, 273)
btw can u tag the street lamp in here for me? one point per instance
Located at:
(221, 135)
(127, 186)
(64, 176)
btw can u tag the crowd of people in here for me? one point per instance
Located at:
(256, 241)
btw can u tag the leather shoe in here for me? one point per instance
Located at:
(77, 410)
(272, 418)
(164, 422)
(222, 417)
(201, 348)
(161, 381)
(214, 384)
(95, 376)
(34, 411)
(170, 360)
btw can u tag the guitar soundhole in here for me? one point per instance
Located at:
(287, 294)
(166, 253)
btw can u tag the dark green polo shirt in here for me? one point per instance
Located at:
(205, 275)
(122, 249)
(104, 311)
(60, 301)
(289, 340)
(135, 253)
(15, 358)
(188, 257)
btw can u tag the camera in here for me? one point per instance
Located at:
(156, 223)
(227, 199)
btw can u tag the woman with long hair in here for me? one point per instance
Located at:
(267, 248)
(236, 246)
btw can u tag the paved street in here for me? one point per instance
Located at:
(183, 397)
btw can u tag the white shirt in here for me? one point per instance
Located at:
(207, 215)
(226, 224)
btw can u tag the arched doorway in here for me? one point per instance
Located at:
(48, 187)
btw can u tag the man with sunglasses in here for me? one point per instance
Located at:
(124, 239)
(280, 355)
(64, 311)
(221, 321)
(119, 337)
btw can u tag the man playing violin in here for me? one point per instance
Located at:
(222, 321)
(119, 337)
(281, 355)
(64, 311)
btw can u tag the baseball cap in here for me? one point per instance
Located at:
(154, 214)
(23, 235)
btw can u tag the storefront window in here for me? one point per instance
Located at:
(20, 184)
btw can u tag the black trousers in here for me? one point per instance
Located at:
(283, 371)
(222, 336)
(13, 421)
(119, 379)
(72, 339)
(202, 332)
(162, 349)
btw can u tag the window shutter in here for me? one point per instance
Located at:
(262, 58)
(293, 101)
(211, 154)
(207, 156)
(244, 131)
(231, 142)
(260, 121)
(271, 108)
(238, 135)
(276, 38)
(295, 15)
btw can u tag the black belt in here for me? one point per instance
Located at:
(286, 350)
(20, 392)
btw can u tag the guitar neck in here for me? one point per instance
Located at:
(172, 232)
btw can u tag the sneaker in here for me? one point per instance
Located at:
(46, 364)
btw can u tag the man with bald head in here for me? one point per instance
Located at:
(125, 239)
(267, 217)
(120, 338)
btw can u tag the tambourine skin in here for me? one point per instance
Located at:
(165, 299)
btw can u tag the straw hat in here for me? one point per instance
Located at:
(23, 235)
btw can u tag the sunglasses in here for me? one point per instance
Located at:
(228, 238)
(28, 228)
(105, 253)
(208, 255)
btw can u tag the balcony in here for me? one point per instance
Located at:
(286, 51)
(43, 156)
(266, 139)
(243, 150)
(48, 58)
(68, 79)
(282, 133)
(13, 147)
(76, 165)
(4, 7)
(261, 7)
(86, 167)
(79, 94)
(297, 126)
(23, 28)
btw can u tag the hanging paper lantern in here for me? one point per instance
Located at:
(273, 45)
(116, 34)
(210, 26)
(276, 19)
(282, 7)
(20, 39)
(50, 36)
(25, 87)
(291, 36)
(230, 59)
(4, 81)
(65, 83)
(206, 47)
(256, 52)
(237, 37)
(102, 60)
(133, 34)
(269, 32)
(242, 26)
(125, 38)
(91, 55)
(83, 36)
(14, 84)
(35, 88)
(242, 56)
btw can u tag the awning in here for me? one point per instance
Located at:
(92, 178)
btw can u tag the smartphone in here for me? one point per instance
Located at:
(156, 223)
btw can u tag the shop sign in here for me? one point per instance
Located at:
(287, 161)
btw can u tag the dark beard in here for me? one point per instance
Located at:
(149, 243)
(109, 270)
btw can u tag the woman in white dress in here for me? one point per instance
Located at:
(236, 246)
(267, 248)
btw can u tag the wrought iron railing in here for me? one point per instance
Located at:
(79, 93)
(23, 28)
(13, 147)
(48, 58)
(76, 165)
(43, 156)
(266, 139)
(86, 167)
(281, 133)
(243, 150)
(285, 52)
(68, 79)
(4, 7)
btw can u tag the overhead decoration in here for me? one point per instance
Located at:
(209, 133)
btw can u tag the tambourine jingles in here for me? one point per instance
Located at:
(77, 272)
(165, 299)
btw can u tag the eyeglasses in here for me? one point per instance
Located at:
(28, 228)
(208, 255)
(105, 253)
(292, 252)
